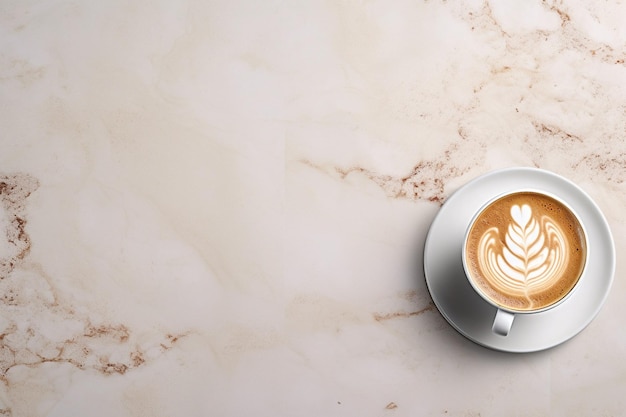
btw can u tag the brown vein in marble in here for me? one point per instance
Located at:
(548, 140)
(14, 189)
(564, 16)
(556, 132)
(402, 314)
(609, 165)
(485, 18)
(569, 31)
(598, 50)
(80, 351)
(28, 298)
(538, 139)
(426, 181)
(105, 348)
(580, 40)
(607, 159)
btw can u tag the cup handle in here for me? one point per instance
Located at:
(503, 322)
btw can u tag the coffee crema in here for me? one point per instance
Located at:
(525, 251)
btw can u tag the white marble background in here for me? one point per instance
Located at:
(218, 208)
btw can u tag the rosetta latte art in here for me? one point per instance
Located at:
(530, 258)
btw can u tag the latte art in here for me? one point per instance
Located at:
(530, 257)
(525, 251)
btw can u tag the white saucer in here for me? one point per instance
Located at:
(467, 312)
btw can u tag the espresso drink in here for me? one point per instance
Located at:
(525, 251)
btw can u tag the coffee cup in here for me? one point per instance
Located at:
(524, 252)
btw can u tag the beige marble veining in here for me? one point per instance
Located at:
(219, 209)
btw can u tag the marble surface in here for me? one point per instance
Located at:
(219, 208)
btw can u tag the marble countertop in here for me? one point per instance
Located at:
(217, 209)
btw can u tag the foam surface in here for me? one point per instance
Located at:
(526, 251)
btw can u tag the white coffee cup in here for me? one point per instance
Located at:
(505, 316)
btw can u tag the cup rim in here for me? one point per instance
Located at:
(480, 211)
